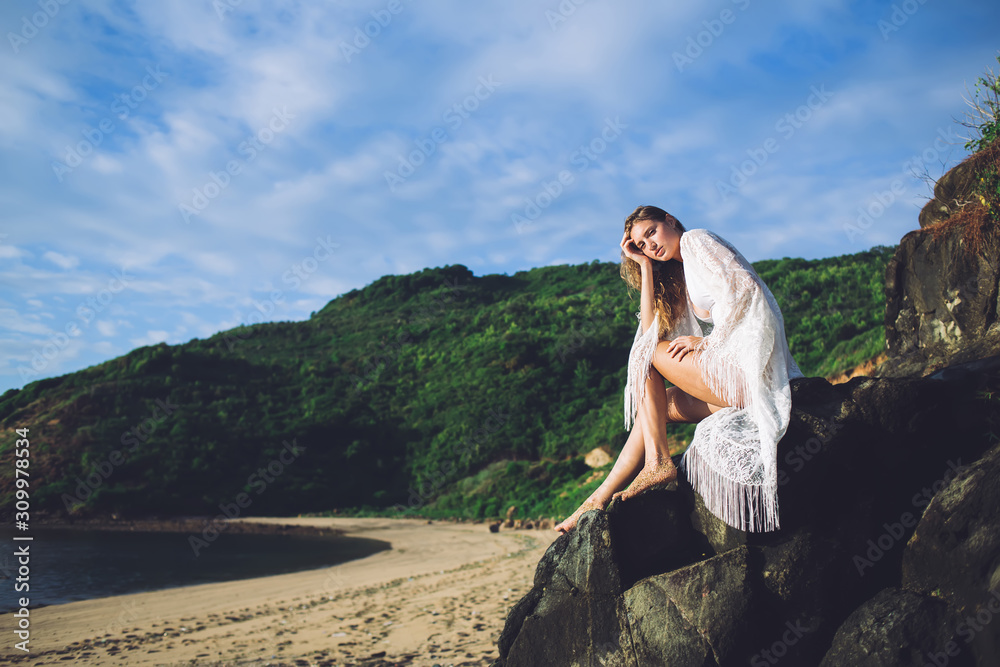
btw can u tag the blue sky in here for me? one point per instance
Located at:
(174, 169)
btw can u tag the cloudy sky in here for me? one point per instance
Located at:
(173, 169)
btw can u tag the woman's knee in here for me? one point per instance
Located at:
(682, 407)
(675, 411)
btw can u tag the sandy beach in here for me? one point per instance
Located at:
(438, 597)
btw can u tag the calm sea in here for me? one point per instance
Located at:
(69, 564)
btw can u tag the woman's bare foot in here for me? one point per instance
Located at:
(570, 523)
(653, 475)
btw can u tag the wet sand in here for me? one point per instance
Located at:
(438, 597)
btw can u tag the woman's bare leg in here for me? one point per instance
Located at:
(657, 467)
(629, 463)
(685, 375)
(660, 407)
(667, 405)
(645, 458)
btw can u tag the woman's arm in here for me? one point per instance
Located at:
(646, 311)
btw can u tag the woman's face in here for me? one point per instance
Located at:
(657, 240)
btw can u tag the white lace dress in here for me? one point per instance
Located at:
(732, 460)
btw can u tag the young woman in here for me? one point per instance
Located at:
(734, 382)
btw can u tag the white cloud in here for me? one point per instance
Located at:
(65, 262)
(10, 252)
(25, 324)
(323, 175)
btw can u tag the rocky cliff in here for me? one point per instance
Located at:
(888, 552)
(942, 284)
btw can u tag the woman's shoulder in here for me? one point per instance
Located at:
(709, 247)
(696, 235)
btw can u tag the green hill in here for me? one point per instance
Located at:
(440, 391)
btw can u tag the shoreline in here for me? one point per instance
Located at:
(195, 525)
(440, 594)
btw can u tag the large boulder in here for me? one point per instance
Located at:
(660, 580)
(898, 628)
(941, 304)
(574, 612)
(694, 615)
(942, 283)
(951, 193)
(955, 552)
(957, 188)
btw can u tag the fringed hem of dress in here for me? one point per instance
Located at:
(640, 359)
(747, 506)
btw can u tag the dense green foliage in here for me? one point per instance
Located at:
(829, 330)
(438, 392)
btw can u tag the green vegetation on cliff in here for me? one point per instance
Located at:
(438, 391)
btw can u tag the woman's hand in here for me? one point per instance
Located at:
(632, 251)
(681, 345)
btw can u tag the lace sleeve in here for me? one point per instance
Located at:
(740, 344)
(640, 357)
(732, 459)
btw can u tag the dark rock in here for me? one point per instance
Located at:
(898, 628)
(956, 547)
(652, 533)
(659, 580)
(574, 612)
(721, 537)
(951, 192)
(708, 608)
(955, 551)
(806, 582)
(941, 304)
(660, 630)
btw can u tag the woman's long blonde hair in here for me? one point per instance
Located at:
(669, 286)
